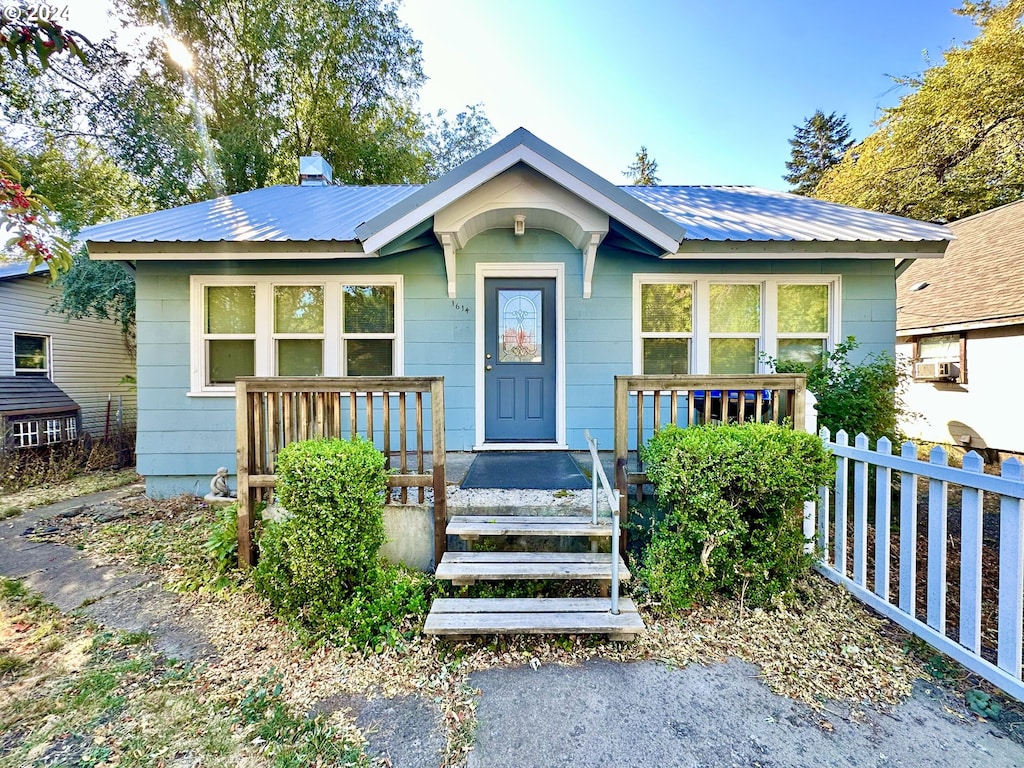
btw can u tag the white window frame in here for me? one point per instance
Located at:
(767, 344)
(639, 334)
(71, 427)
(26, 432)
(264, 337)
(47, 345)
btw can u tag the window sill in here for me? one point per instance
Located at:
(212, 393)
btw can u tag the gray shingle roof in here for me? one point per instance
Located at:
(980, 278)
(25, 395)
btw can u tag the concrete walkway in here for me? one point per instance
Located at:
(599, 714)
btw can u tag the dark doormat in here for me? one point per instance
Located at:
(543, 470)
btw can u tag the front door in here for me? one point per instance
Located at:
(520, 364)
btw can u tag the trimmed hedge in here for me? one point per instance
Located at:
(312, 563)
(733, 500)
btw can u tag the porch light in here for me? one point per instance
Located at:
(519, 226)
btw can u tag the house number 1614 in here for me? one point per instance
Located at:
(460, 307)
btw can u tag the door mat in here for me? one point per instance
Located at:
(542, 470)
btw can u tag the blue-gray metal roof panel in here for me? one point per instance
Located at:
(737, 213)
(333, 213)
(12, 269)
(271, 214)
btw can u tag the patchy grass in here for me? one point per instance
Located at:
(253, 695)
(12, 504)
(77, 695)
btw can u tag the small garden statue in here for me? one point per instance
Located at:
(219, 485)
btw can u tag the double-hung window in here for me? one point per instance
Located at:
(293, 326)
(666, 327)
(31, 355)
(727, 325)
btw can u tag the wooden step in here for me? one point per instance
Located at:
(534, 616)
(468, 567)
(474, 526)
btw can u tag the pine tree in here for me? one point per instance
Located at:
(818, 144)
(643, 172)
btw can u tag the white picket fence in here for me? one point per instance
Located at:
(845, 560)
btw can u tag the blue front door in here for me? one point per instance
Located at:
(520, 364)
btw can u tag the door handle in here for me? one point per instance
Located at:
(488, 367)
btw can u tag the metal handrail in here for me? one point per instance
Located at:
(598, 474)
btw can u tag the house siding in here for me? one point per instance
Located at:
(946, 412)
(183, 439)
(88, 357)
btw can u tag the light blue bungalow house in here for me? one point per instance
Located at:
(522, 277)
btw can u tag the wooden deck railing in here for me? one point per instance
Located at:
(644, 404)
(273, 412)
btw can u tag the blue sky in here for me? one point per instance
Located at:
(713, 88)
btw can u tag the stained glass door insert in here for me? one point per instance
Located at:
(519, 327)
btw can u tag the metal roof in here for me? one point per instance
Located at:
(739, 213)
(333, 214)
(272, 214)
(521, 146)
(19, 269)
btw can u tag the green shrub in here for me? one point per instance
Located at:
(733, 500)
(385, 611)
(862, 397)
(312, 563)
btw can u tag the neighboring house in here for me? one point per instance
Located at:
(961, 323)
(522, 277)
(61, 365)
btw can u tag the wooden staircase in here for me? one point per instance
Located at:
(460, 617)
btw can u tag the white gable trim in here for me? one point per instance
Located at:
(538, 162)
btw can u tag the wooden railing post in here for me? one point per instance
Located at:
(438, 469)
(243, 442)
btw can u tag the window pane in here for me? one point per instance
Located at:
(368, 357)
(942, 347)
(298, 309)
(369, 309)
(803, 351)
(733, 355)
(666, 308)
(665, 357)
(735, 308)
(231, 359)
(803, 309)
(520, 327)
(231, 309)
(30, 352)
(300, 357)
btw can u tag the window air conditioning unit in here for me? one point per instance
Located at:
(934, 370)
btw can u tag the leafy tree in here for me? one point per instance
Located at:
(818, 144)
(83, 187)
(643, 172)
(24, 35)
(449, 143)
(954, 145)
(24, 213)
